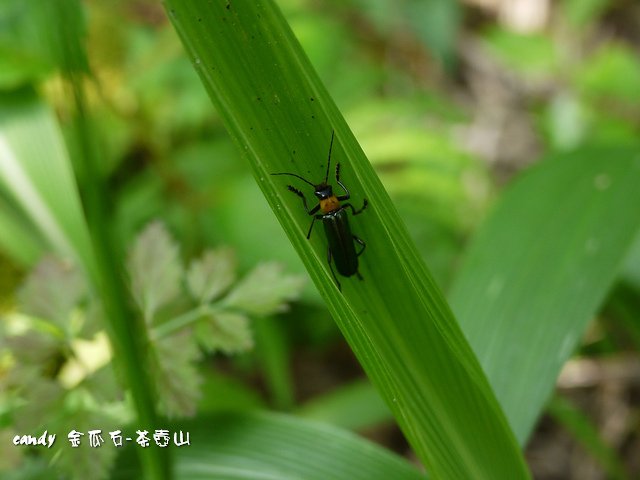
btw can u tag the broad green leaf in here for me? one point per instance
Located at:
(396, 319)
(155, 269)
(540, 267)
(261, 446)
(210, 276)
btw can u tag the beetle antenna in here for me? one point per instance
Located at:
(326, 177)
(297, 176)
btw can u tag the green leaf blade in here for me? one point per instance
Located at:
(538, 270)
(396, 320)
(36, 173)
(250, 446)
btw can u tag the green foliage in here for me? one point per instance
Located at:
(60, 312)
(111, 84)
(583, 12)
(528, 54)
(612, 74)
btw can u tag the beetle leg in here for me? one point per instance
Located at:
(304, 200)
(311, 228)
(346, 195)
(316, 217)
(300, 194)
(331, 268)
(361, 242)
(365, 204)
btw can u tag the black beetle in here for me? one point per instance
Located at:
(335, 220)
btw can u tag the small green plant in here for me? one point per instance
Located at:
(58, 370)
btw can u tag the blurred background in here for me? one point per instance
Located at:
(449, 100)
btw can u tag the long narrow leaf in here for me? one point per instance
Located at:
(396, 319)
(540, 267)
(36, 174)
(18, 240)
(277, 447)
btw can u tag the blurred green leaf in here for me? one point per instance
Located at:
(265, 290)
(582, 12)
(211, 275)
(540, 267)
(265, 446)
(226, 393)
(631, 269)
(174, 373)
(155, 269)
(354, 406)
(530, 54)
(228, 332)
(273, 355)
(566, 121)
(19, 241)
(24, 52)
(35, 172)
(436, 23)
(52, 290)
(583, 430)
(612, 73)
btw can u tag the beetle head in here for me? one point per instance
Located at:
(323, 191)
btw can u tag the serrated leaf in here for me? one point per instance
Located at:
(225, 331)
(52, 290)
(80, 413)
(212, 274)
(155, 269)
(175, 374)
(265, 290)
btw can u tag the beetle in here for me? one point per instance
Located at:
(341, 248)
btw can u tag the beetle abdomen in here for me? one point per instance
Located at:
(343, 252)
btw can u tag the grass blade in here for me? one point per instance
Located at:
(541, 266)
(278, 447)
(396, 321)
(580, 426)
(36, 174)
